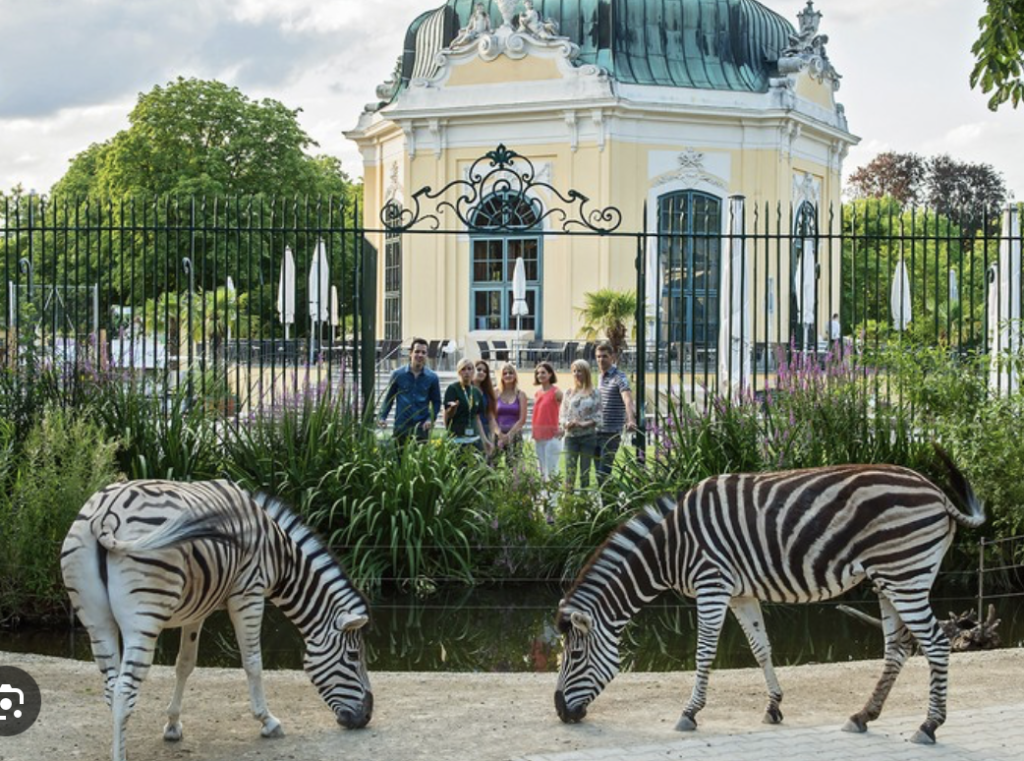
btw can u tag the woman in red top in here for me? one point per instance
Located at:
(546, 436)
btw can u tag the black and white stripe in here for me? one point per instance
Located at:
(144, 556)
(796, 536)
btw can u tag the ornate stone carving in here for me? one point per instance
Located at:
(806, 189)
(394, 190)
(530, 23)
(508, 9)
(806, 50)
(387, 89)
(529, 35)
(691, 172)
(479, 25)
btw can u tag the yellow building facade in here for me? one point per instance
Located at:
(684, 115)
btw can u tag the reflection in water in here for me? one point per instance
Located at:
(511, 628)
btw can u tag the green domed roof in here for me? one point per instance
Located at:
(704, 44)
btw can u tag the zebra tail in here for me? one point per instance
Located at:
(186, 527)
(964, 493)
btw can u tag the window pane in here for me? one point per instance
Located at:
(487, 310)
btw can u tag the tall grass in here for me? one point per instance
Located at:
(63, 460)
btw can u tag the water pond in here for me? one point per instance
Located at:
(511, 629)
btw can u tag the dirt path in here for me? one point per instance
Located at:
(467, 717)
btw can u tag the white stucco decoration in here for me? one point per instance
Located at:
(530, 35)
(806, 189)
(394, 190)
(691, 171)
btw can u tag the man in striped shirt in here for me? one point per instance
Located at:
(616, 410)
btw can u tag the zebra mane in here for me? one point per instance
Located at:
(306, 539)
(606, 559)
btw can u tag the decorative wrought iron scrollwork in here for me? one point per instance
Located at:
(507, 182)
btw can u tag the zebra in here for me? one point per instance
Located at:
(143, 556)
(789, 536)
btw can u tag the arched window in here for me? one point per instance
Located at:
(504, 229)
(689, 251)
(393, 276)
(804, 278)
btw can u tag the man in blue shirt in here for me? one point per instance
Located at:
(418, 392)
(616, 410)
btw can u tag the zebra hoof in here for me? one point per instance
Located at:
(772, 716)
(172, 732)
(272, 729)
(855, 725)
(923, 737)
(685, 724)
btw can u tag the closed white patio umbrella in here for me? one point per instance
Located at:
(286, 291)
(520, 308)
(899, 297)
(1004, 307)
(806, 289)
(735, 340)
(319, 293)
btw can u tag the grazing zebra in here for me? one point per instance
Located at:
(143, 556)
(796, 536)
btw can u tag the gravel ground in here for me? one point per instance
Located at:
(468, 717)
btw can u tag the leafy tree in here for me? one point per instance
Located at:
(876, 233)
(609, 312)
(969, 193)
(899, 175)
(958, 185)
(197, 137)
(999, 53)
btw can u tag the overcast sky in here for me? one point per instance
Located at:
(71, 70)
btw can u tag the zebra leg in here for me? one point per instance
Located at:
(710, 617)
(247, 617)
(748, 612)
(917, 614)
(91, 604)
(898, 643)
(138, 657)
(183, 667)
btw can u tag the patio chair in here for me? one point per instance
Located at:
(501, 352)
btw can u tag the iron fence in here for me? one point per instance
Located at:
(191, 290)
(188, 291)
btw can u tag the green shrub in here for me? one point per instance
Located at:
(414, 518)
(161, 435)
(289, 448)
(65, 458)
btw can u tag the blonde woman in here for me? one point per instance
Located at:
(510, 413)
(462, 404)
(578, 419)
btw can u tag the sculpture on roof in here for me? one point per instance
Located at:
(806, 49)
(479, 24)
(530, 23)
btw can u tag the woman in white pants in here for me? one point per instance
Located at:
(546, 436)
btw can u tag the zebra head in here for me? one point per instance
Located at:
(336, 663)
(590, 659)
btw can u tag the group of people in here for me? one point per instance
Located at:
(586, 420)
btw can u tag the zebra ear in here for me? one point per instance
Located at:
(348, 621)
(582, 621)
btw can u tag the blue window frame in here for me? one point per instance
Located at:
(493, 260)
(689, 250)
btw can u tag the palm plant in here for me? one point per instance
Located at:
(611, 313)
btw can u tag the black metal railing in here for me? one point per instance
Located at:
(728, 291)
(186, 291)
